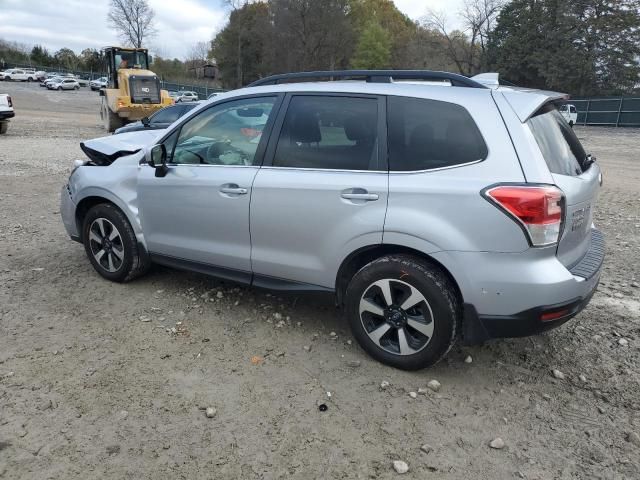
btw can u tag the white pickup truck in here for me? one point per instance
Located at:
(6, 112)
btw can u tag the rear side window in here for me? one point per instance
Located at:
(426, 134)
(324, 132)
(558, 143)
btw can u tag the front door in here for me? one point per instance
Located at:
(322, 192)
(199, 211)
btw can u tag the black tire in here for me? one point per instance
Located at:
(110, 120)
(59, 89)
(134, 262)
(571, 124)
(76, 88)
(4, 126)
(440, 297)
(29, 79)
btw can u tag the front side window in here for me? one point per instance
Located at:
(427, 134)
(225, 134)
(558, 143)
(323, 132)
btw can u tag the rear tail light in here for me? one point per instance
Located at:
(9, 101)
(537, 209)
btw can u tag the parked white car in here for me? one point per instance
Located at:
(21, 75)
(185, 96)
(6, 112)
(64, 84)
(98, 83)
(570, 113)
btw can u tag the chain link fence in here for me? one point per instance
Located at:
(608, 111)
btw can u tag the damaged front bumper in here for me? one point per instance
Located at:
(68, 213)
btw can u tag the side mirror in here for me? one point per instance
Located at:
(145, 121)
(157, 159)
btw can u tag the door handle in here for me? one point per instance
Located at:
(367, 197)
(233, 189)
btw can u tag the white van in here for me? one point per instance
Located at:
(570, 113)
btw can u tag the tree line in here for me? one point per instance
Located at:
(584, 47)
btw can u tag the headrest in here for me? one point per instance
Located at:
(305, 129)
(357, 130)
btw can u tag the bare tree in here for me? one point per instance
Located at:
(467, 47)
(199, 52)
(133, 20)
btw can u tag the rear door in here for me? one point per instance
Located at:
(322, 192)
(572, 171)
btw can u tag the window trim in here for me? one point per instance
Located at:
(266, 133)
(383, 162)
(437, 169)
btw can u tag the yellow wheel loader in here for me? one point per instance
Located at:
(133, 91)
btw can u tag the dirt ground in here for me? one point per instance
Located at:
(94, 383)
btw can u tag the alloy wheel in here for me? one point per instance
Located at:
(396, 316)
(106, 244)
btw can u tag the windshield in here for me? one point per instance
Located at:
(558, 143)
(125, 59)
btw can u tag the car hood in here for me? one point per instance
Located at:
(105, 150)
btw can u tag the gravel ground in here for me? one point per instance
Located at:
(92, 385)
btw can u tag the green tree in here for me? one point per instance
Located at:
(584, 47)
(241, 46)
(40, 56)
(374, 48)
(400, 29)
(90, 60)
(66, 58)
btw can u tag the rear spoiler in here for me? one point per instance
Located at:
(524, 101)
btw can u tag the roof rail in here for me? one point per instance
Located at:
(374, 76)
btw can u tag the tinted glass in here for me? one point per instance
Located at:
(226, 134)
(558, 143)
(329, 133)
(426, 134)
(167, 115)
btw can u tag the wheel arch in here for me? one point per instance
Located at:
(364, 255)
(91, 200)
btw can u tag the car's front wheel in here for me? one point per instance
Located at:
(403, 311)
(111, 245)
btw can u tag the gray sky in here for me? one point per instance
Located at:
(79, 24)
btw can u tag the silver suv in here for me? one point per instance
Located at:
(433, 206)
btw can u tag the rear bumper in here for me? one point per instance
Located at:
(7, 115)
(526, 295)
(479, 328)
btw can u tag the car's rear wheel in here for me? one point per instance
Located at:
(403, 311)
(59, 88)
(76, 88)
(4, 126)
(111, 245)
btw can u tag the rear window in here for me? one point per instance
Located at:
(427, 134)
(558, 143)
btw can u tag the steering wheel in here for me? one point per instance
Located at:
(218, 149)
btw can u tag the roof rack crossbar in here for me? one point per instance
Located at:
(373, 76)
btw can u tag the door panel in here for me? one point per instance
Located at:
(302, 227)
(187, 215)
(324, 191)
(199, 211)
